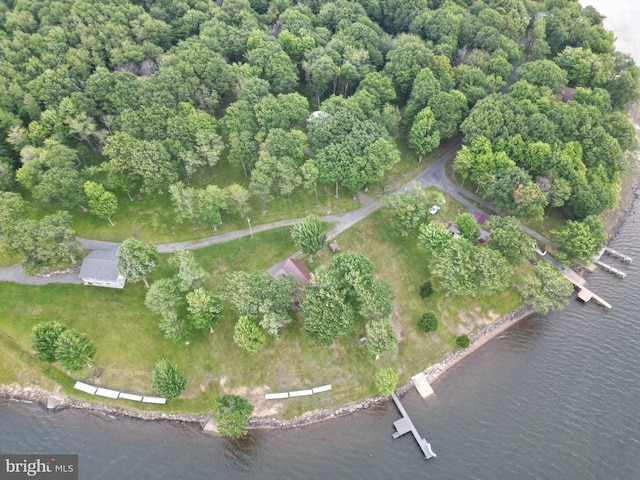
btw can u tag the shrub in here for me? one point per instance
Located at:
(426, 289)
(386, 381)
(428, 322)
(462, 341)
(167, 379)
(44, 336)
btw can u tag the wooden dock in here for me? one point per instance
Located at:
(405, 425)
(585, 294)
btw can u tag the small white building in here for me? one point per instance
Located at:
(99, 269)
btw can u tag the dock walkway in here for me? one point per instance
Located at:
(405, 425)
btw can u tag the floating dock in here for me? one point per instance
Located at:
(608, 268)
(405, 425)
(618, 255)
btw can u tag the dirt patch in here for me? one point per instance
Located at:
(396, 324)
(473, 320)
(255, 396)
(208, 378)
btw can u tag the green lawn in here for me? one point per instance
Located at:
(130, 342)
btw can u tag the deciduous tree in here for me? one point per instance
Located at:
(309, 235)
(248, 335)
(167, 379)
(75, 350)
(44, 336)
(230, 413)
(136, 258)
(101, 203)
(546, 289)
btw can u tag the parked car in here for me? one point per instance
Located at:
(434, 209)
(539, 251)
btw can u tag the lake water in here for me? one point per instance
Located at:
(554, 397)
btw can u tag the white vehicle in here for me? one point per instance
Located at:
(542, 253)
(434, 209)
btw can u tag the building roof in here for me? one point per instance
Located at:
(297, 269)
(480, 217)
(100, 265)
(566, 94)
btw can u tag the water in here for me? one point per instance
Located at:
(552, 398)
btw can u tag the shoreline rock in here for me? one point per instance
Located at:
(63, 402)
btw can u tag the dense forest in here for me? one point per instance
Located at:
(103, 99)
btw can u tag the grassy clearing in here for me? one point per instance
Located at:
(130, 342)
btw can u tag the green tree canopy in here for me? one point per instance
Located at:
(75, 350)
(546, 289)
(44, 336)
(136, 258)
(230, 414)
(309, 235)
(167, 379)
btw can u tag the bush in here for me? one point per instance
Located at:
(426, 289)
(44, 336)
(167, 379)
(428, 322)
(462, 341)
(386, 381)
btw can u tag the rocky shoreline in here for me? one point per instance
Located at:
(58, 402)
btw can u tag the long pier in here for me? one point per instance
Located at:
(405, 425)
(608, 268)
(618, 255)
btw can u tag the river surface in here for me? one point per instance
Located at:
(555, 397)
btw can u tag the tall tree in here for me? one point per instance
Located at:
(309, 235)
(248, 335)
(101, 203)
(434, 238)
(43, 340)
(509, 238)
(423, 136)
(164, 298)
(546, 289)
(44, 243)
(237, 199)
(186, 203)
(212, 200)
(136, 258)
(230, 413)
(381, 338)
(75, 350)
(167, 379)
(189, 273)
(582, 240)
(205, 309)
(468, 227)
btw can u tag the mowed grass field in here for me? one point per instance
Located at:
(130, 342)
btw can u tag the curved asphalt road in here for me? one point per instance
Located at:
(434, 176)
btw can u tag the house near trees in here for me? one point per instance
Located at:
(296, 268)
(481, 219)
(99, 269)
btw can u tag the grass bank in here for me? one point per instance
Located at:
(130, 342)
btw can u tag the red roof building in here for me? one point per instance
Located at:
(296, 268)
